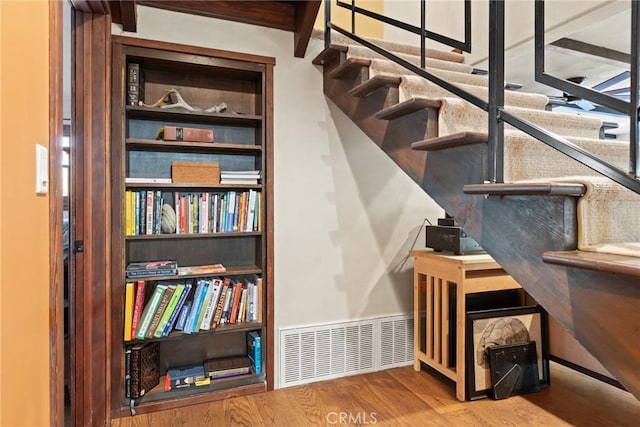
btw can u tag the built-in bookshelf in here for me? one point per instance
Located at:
(159, 215)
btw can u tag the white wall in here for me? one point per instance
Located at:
(345, 214)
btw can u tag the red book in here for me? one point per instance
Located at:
(176, 133)
(137, 307)
(237, 293)
(183, 215)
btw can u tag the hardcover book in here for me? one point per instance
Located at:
(135, 84)
(144, 368)
(254, 351)
(185, 376)
(175, 133)
(227, 366)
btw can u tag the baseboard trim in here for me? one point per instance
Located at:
(589, 372)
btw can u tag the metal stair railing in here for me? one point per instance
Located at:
(495, 105)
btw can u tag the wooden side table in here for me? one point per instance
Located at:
(437, 277)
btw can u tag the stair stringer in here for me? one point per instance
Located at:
(600, 310)
(394, 137)
(496, 223)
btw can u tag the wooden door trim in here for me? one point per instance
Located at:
(91, 217)
(56, 251)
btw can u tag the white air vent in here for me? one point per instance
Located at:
(396, 342)
(341, 349)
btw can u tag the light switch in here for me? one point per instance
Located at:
(42, 170)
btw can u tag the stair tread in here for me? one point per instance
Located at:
(451, 140)
(527, 188)
(373, 84)
(407, 107)
(605, 262)
(327, 53)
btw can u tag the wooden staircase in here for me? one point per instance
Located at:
(529, 228)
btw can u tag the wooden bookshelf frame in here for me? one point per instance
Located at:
(227, 64)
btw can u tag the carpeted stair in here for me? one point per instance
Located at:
(567, 234)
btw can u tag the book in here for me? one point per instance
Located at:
(177, 311)
(135, 84)
(151, 269)
(164, 301)
(128, 310)
(139, 180)
(138, 306)
(150, 310)
(220, 307)
(254, 351)
(237, 294)
(201, 269)
(196, 304)
(171, 306)
(227, 366)
(144, 368)
(177, 133)
(183, 316)
(185, 376)
(212, 303)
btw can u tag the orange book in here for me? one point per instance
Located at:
(237, 293)
(128, 310)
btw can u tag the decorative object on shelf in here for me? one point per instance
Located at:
(168, 219)
(220, 108)
(504, 326)
(195, 173)
(173, 99)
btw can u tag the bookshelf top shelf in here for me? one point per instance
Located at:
(171, 187)
(157, 113)
(200, 147)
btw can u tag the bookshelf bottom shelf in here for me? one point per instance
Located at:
(158, 399)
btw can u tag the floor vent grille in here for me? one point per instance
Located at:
(336, 350)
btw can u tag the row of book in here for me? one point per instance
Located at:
(155, 309)
(142, 368)
(191, 213)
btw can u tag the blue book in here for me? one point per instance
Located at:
(201, 289)
(182, 318)
(254, 351)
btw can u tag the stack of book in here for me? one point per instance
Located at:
(227, 367)
(186, 376)
(240, 177)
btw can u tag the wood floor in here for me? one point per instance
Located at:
(402, 397)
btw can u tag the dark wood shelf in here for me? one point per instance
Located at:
(193, 186)
(220, 329)
(239, 270)
(186, 146)
(157, 113)
(192, 236)
(223, 388)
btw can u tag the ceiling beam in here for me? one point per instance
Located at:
(123, 12)
(91, 6)
(598, 53)
(273, 14)
(305, 18)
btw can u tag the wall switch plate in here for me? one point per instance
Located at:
(42, 170)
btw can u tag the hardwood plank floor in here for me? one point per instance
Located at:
(402, 397)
